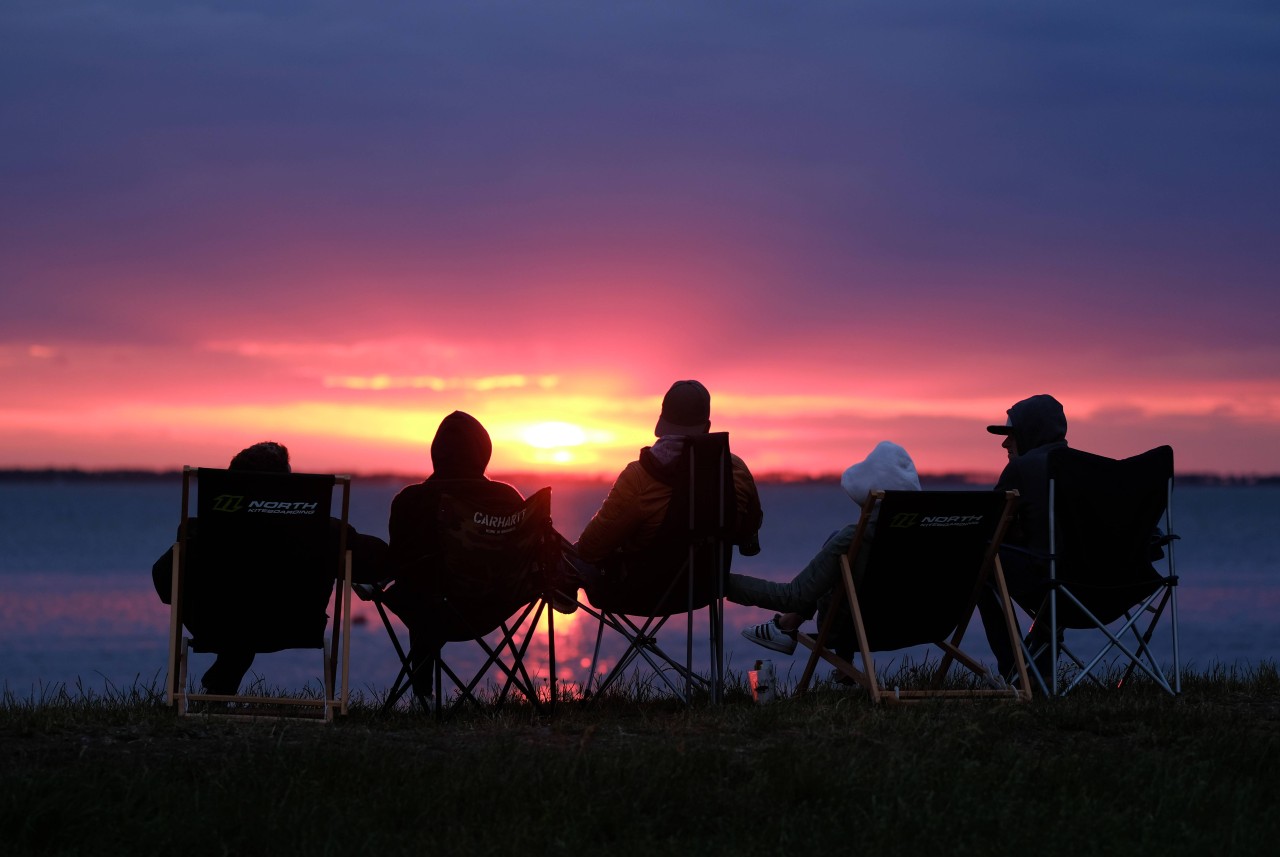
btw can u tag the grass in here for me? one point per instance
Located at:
(1097, 772)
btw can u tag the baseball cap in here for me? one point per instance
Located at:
(686, 409)
(1007, 428)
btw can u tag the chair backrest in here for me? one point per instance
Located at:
(924, 563)
(493, 559)
(259, 564)
(1103, 515)
(701, 515)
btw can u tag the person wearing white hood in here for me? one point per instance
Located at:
(887, 468)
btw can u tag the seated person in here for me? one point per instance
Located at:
(887, 468)
(368, 559)
(460, 452)
(1035, 427)
(623, 533)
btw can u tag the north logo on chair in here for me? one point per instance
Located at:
(228, 503)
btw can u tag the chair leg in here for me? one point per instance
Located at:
(183, 658)
(595, 660)
(641, 643)
(715, 619)
(1145, 638)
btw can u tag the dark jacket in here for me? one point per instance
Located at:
(1039, 427)
(460, 453)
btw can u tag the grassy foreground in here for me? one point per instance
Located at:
(1092, 774)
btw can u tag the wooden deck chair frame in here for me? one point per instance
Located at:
(336, 646)
(1140, 620)
(504, 646)
(847, 593)
(712, 508)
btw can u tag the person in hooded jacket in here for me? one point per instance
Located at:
(460, 453)
(624, 530)
(1035, 427)
(888, 467)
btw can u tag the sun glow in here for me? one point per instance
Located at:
(554, 435)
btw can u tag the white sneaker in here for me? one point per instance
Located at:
(769, 635)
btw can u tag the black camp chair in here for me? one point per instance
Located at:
(489, 584)
(912, 578)
(1110, 521)
(254, 571)
(684, 572)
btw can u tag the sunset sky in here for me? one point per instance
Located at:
(332, 223)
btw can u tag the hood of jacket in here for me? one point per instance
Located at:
(887, 468)
(461, 448)
(660, 460)
(1037, 421)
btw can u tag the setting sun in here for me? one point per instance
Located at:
(554, 435)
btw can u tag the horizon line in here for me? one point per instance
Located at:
(775, 477)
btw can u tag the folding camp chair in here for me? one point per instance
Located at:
(254, 572)
(1105, 517)
(922, 567)
(490, 583)
(683, 574)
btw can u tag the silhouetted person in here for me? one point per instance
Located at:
(460, 453)
(368, 561)
(887, 468)
(624, 529)
(1035, 427)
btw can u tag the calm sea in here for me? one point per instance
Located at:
(77, 604)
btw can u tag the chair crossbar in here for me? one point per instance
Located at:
(514, 676)
(641, 643)
(1114, 642)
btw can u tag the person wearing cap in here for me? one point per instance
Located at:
(887, 468)
(629, 519)
(1035, 427)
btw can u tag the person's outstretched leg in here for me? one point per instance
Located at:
(801, 593)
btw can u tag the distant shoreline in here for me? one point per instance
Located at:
(975, 479)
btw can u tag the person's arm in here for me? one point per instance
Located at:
(162, 576)
(162, 569)
(617, 519)
(750, 514)
(1011, 479)
(399, 523)
(369, 556)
